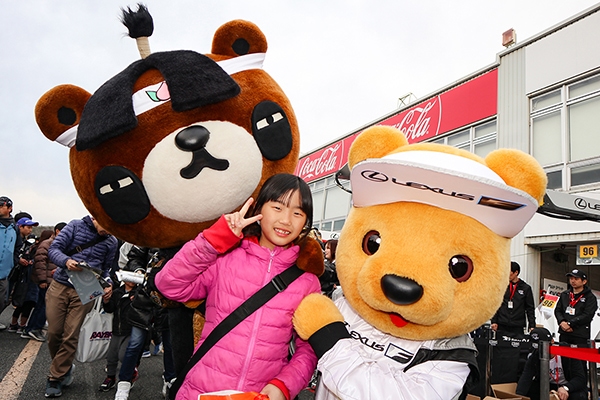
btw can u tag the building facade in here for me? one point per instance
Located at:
(541, 96)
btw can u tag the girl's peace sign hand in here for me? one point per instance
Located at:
(236, 220)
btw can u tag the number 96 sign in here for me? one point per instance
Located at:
(587, 254)
(549, 301)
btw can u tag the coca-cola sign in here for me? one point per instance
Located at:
(422, 121)
(460, 106)
(325, 161)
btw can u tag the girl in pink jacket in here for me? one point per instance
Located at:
(226, 264)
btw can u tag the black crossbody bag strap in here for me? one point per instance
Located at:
(79, 249)
(256, 301)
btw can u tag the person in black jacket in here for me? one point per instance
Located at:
(567, 375)
(575, 310)
(516, 313)
(516, 305)
(139, 315)
(329, 280)
(118, 304)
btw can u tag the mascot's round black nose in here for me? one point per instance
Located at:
(192, 138)
(401, 291)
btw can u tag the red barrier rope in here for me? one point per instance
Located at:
(578, 353)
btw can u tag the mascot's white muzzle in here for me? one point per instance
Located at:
(183, 191)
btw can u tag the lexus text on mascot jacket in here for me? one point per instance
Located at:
(256, 348)
(580, 321)
(413, 368)
(78, 233)
(522, 307)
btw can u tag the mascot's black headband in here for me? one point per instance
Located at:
(191, 80)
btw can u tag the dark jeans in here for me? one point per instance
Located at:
(168, 363)
(132, 353)
(182, 335)
(38, 318)
(23, 311)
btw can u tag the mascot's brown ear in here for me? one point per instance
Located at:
(59, 109)
(311, 257)
(237, 38)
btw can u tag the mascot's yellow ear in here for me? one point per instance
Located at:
(375, 142)
(519, 170)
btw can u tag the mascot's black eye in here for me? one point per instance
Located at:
(371, 243)
(272, 130)
(461, 267)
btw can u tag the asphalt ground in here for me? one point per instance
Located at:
(24, 365)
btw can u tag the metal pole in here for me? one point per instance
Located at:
(488, 361)
(544, 367)
(593, 374)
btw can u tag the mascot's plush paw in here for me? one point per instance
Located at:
(313, 313)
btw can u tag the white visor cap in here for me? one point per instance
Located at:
(446, 181)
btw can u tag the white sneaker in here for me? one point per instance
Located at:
(123, 389)
(167, 386)
(2, 327)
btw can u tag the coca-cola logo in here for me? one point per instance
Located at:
(325, 163)
(422, 121)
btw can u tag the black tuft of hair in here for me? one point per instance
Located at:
(139, 23)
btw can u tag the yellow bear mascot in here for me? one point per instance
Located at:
(423, 259)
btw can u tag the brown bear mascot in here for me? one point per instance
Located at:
(165, 147)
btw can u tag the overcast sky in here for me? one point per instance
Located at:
(342, 63)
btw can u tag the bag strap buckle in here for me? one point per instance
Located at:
(279, 283)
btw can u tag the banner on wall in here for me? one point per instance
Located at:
(554, 287)
(460, 106)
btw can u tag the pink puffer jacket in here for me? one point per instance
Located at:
(256, 350)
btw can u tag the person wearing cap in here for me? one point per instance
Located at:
(25, 226)
(10, 241)
(575, 309)
(25, 291)
(516, 313)
(516, 305)
(567, 376)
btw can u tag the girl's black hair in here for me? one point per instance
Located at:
(280, 187)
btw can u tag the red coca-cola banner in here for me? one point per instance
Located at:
(470, 102)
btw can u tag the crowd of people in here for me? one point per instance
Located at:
(35, 278)
(36, 281)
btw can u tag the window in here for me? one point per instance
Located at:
(330, 204)
(479, 139)
(565, 134)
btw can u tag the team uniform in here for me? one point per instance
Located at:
(369, 364)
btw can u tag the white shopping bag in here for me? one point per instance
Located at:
(95, 335)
